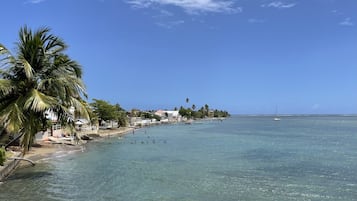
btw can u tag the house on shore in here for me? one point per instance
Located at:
(57, 130)
(169, 115)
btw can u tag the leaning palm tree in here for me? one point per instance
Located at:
(39, 79)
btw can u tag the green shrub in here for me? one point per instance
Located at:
(2, 156)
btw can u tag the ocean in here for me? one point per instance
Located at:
(238, 159)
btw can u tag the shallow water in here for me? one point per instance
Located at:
(241, 158)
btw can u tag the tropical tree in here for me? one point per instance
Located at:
(93, 116)
(193, 107)
(185, 112)
(207, 109)
(104, 110)
(121, 116)
(122, 119)
(39, 79)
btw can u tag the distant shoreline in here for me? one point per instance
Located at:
(295, 115)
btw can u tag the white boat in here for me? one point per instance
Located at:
(276, 118)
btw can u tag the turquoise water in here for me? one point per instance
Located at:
(241, 158)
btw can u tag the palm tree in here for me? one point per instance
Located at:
(193, 107)
(206, 109)
(41, 78)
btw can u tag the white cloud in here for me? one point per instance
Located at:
(347, 22)
(278, 4)
(190, 6)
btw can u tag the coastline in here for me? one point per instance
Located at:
(45, 150)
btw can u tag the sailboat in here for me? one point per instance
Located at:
(276, 118)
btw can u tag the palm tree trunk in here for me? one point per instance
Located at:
(12, 141)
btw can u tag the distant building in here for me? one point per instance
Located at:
(82, 124)
(56, 128)
(139, 121)
(169, 115)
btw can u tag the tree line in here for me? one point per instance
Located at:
(203, 112)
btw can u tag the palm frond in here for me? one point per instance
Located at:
(63, 114)
(63, 87)
(27, 68)
(6, 86)
(54, 45)
(38, 102)
(80, 108)
(12, 116)
(25, 34)
(6, 59)
(65, 64)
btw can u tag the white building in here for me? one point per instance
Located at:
(169, 115)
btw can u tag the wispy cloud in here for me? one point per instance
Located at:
(336, 12)
(35, 1)
(166, 13)
(256, 21)
(170, 25)
(278, 4)
(347, 22)
(163, 14)
(190, 6)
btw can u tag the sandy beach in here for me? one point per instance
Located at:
(44, 149)
(118, 131)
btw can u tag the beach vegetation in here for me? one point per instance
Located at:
(104, 111)
(185, 112)
(135, 112)
(198, 115)
(122, 119)
(220, 113)
(38, 79)
(93, 117)
(203, 112)
(150, 115)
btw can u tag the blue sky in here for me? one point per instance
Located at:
(244, 56)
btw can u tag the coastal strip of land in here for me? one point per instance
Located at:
(44, 150)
